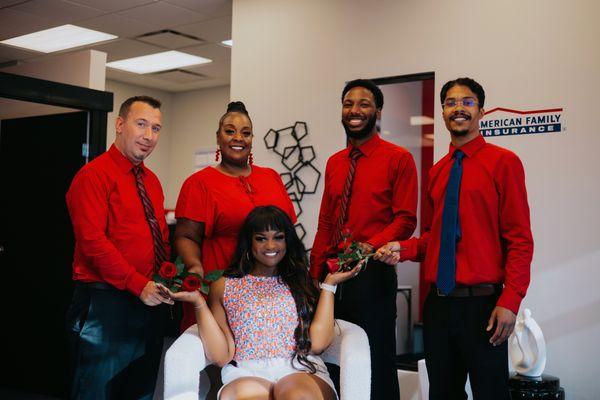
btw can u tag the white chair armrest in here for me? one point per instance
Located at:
(350, 350)
(184, 361)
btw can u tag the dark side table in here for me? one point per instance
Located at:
(545, 387)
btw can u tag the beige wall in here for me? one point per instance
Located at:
(290, 61)
(86, 68)
(189, 122)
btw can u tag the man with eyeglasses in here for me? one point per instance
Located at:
(476, 251)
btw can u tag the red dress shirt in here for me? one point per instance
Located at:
(222, 203)
(113, 239)
(496, 245)
(382, 204)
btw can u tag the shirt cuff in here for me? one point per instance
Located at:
(136, 283)
(409, 249)
(510, 299)
(376, 242)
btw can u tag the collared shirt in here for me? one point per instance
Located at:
(496, 244)
(113, 239)
(383, 199)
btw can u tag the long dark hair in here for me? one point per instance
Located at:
(292, 270)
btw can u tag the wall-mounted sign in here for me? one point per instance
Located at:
(203, 157)
(501, 121)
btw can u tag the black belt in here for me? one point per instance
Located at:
(97, 285)
(469, 291)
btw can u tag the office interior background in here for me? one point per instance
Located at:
(289, 61)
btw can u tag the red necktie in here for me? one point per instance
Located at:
(160, 255)
(337, 234)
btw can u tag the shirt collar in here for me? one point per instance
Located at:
(122, 162)
(469, 148)
(369, 146)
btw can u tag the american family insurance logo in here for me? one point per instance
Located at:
(506, 122)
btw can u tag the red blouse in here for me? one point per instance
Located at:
(222, 203)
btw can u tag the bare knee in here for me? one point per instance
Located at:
(246, 389)
(302, 387)
(289, 392)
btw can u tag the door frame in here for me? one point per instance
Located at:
(96, 102)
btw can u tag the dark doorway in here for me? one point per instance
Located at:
(407, 120)
(38, 158)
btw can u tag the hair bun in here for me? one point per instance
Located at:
(237, 106)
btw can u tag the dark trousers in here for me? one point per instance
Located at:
(369, 300)
(456, 344)
(115, 344)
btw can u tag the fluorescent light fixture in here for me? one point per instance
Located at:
(421, 120)
(59, 38)
(158, 62)
(228, 43)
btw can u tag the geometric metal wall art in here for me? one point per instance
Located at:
(301, 177)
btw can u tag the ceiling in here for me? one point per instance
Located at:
(192, 26)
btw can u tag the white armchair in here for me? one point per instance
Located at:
(185, 359)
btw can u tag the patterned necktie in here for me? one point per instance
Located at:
(337, 234)
(160, 255)
(446, 277)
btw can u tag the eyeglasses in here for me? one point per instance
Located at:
(465, 102)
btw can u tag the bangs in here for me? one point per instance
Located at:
(263, 219)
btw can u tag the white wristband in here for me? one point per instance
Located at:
(328, 287)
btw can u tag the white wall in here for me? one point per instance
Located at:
(194, 120)
(190, 121)
(290, 61)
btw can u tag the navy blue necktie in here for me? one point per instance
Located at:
(446, 278)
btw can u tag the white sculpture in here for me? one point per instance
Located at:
(526, 346)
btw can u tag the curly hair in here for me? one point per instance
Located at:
(370, 86)
(292, 270)
(472, 84)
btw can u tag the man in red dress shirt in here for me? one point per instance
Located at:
(479, 277)
(375, 203)
(113, 321)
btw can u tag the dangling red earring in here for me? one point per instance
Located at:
(217, 154)
(250, 159)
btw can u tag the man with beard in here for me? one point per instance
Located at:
(477, 251)
(370, 197)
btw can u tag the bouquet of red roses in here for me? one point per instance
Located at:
(176, 277)
(348, 259)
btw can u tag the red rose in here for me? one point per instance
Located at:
(167, 270)
(191, 283)
(332, 265)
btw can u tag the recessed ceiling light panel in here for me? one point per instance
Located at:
(59, 38)
(158, 62)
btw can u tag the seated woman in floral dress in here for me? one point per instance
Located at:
(265, 322)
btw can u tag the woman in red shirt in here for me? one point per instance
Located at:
(214, 202)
